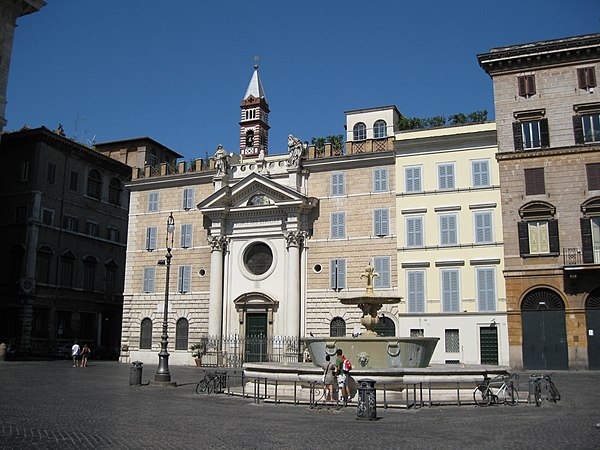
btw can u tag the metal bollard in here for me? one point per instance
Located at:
(367, 400)
(135, 373)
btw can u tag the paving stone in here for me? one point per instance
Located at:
(50, 405)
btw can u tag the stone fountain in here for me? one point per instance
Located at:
(370, 351)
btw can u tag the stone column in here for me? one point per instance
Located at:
(294, 240)
(215, 305)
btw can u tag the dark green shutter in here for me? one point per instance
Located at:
(586, 240)
(544, 133)
(553, 236)
(578, 129)
(523, 238)
(518, 135)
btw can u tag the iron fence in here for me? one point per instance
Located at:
(233, 351)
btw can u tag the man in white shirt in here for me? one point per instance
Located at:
(75, 352)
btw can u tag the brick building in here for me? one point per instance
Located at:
(548, 120)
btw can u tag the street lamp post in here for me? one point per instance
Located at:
(162, 373)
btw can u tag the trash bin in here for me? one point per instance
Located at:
(367, 400)
(135, 373)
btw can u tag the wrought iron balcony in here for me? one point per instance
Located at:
(573, 256)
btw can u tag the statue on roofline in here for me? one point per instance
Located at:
(295, 151)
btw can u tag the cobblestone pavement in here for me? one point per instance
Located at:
(50, 405)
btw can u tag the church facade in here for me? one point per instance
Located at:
(265, 246)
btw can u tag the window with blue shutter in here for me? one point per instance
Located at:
(412, 178)
(480, 173)
(416, 290)
(148, 279)
(381, 265)
(338, 184)
(382, 221)
(486, 289)
(448, 232)
(151, 238)
(446, 176)
(188, 198)
(483, 227)
(450, 295)
(338, 225)
(337, 270)
(380, 180)
(185, 278)
(414, 231)
(186, 235)
(153, 201)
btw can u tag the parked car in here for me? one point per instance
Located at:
(63, 351)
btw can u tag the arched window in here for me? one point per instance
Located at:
(146, 334)
(385, 327)
(114, 192)
(94, 187)
(89, 273)
(181, 334)
(250, 138)
(360, 132)
(542, 299)
(44, 258)
(337, 327)
(380, 129)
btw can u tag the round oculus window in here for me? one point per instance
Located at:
(258, 258)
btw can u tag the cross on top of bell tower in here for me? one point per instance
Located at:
(254, 125)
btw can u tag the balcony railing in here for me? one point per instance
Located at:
(573, 256)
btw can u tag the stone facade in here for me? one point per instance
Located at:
(551, 283)
(64, 247)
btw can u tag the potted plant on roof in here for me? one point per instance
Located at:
(198, 351)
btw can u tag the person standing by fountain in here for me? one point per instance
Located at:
(328, 379)
(342, 375)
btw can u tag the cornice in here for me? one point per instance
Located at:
(43, 134)
(542, 153)
(350, 161)
(555, 52)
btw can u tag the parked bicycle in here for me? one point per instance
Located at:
(543, 384)
(212, 382)
(499, 389)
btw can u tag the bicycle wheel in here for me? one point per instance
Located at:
(201, 387)
(210, 386)
(537, 394)
(511, 395)
(554, 394)
(482, 395)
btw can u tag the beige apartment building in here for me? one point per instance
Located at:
(548, 119)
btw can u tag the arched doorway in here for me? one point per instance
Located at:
(544, 331)
(256, 311)
(592, 320)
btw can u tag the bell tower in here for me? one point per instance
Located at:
(254, 125)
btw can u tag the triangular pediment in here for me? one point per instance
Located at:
(254, 191)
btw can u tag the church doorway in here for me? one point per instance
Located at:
(256, 337)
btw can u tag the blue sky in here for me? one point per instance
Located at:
(177, 70)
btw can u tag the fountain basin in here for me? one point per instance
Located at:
(375, 352)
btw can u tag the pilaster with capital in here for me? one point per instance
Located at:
(294, 238)
(218, 245)
(294, 241)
